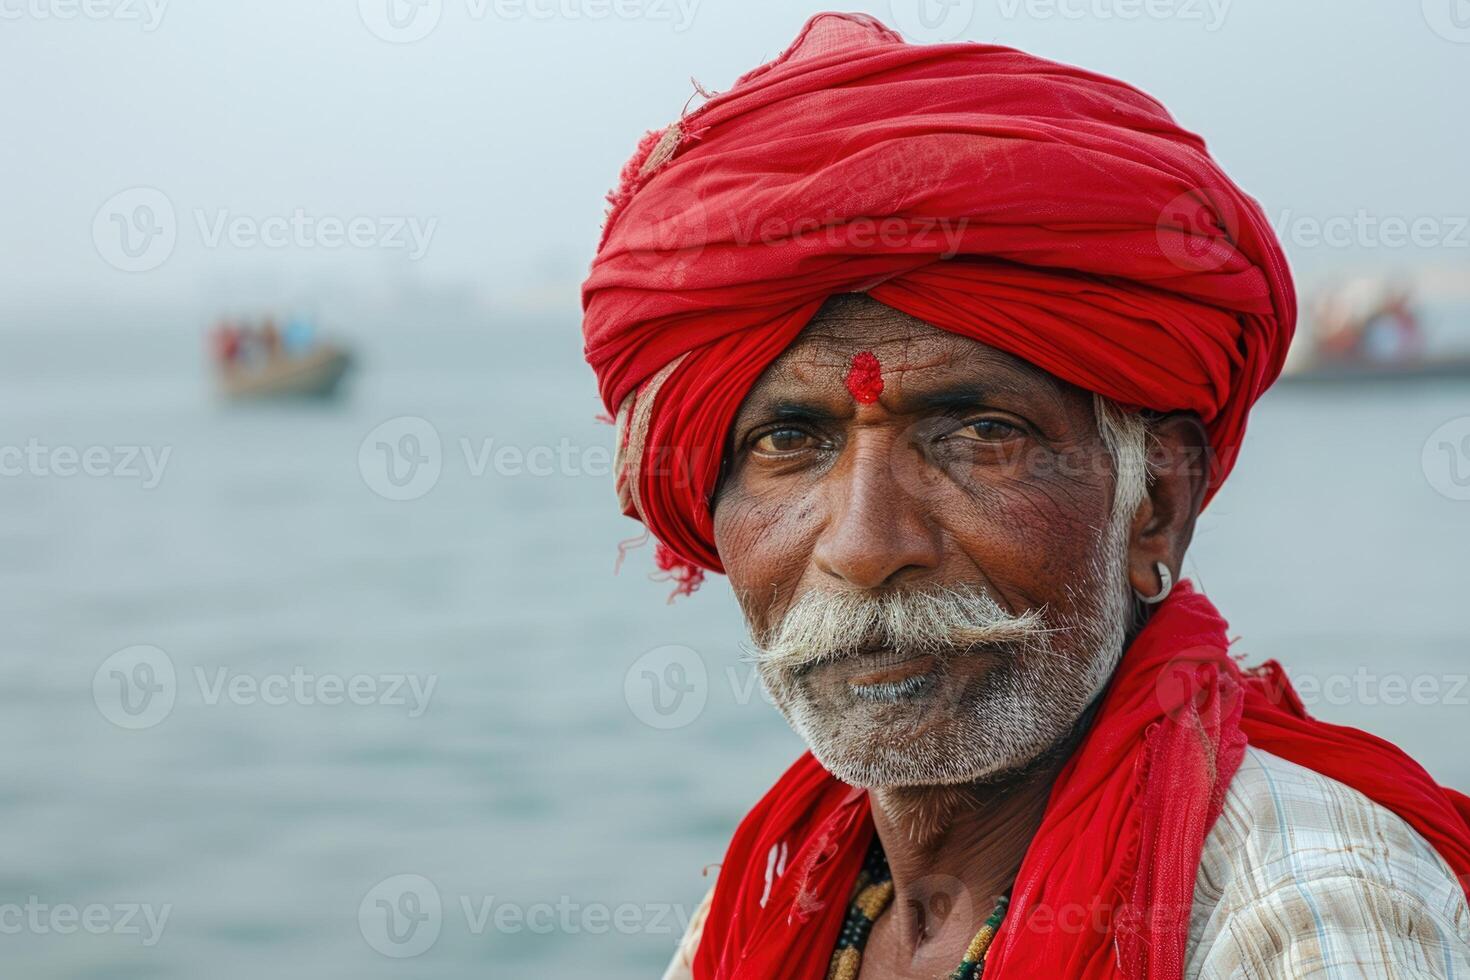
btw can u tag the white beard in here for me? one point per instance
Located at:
(1045, 674)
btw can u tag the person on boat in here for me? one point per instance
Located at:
(1391, 334)
(299, 337)
(937, 352)
(270, 339)
(226, 343)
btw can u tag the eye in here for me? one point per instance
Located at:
(779, 442)
(988, 430)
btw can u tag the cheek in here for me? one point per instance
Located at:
(1032, 538)
(765, 542)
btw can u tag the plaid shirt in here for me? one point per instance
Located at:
(1303, 878)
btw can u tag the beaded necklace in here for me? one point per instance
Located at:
(870, 897)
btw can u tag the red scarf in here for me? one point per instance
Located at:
(1112, 867)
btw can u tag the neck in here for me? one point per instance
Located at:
(954, 850)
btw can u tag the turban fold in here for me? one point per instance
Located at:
(1052, 213)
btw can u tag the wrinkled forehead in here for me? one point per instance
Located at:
(912, 356)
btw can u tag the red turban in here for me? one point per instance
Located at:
(1052, 213)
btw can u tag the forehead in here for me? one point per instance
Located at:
(911, 354)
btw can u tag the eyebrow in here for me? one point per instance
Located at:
(797, 410)
(959, 397)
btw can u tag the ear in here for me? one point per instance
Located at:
(1178, 454)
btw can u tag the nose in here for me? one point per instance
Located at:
(878, 533)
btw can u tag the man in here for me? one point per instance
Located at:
(938, 352)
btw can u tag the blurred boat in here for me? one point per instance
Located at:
(263, 362)
(314, 374)
(1368, 330)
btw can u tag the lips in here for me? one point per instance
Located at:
(888, 668)
(868, 672)
(876, 667)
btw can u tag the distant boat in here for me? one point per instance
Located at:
(1367, 329)
(1416, 369)
(313, 374)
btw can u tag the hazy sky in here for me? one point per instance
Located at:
(481, 151)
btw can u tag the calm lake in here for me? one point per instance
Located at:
(262, 720)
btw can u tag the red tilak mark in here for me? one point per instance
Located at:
(865, 378)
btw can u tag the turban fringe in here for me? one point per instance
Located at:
(1052, 213)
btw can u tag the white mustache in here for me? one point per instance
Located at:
(825, 626)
